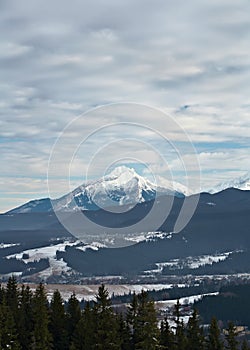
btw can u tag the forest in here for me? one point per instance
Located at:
(232, 303)
(28, 320)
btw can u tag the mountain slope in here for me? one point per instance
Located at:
(241, 183)
(122, 186)
(34, 206)
(213, 229)
(219, 225)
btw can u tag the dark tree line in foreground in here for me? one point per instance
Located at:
(29, 321)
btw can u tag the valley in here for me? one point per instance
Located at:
(210, 253)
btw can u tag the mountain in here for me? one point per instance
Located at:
(219, 229)
(173, 186)
(217, 236)
(240, 183)
(216, 240)
(123, 186)
(34, 206)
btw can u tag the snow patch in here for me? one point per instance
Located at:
(93, 246)
(148, 236)
(49, 252)
(241, 183)
(8, 245)
(189, 262)
(164, 304)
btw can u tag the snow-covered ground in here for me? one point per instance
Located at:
(164, 304)
(93, 246)
(194, 263)
(89, 292)
(147, 236)
(189, 262)
(8, 245)
(57, 267)
(41, 253)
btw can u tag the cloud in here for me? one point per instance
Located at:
(189, 59)
(9, 50)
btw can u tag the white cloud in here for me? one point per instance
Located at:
(9, 50)
(55, 65)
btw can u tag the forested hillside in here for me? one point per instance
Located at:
(28, 320)
(232, 303)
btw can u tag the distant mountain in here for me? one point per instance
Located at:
(219, 225)
(217, 235)
(122, 186)
(34, 206)
(173, 186)
(240, 183)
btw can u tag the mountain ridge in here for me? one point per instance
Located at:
(122, 186)
(219, 225)
(240, 183)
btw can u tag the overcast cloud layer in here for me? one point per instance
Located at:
(60, 58)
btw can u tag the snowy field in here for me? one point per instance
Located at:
(88, 292)
(189, 262)
(57, 267)
(165, 304)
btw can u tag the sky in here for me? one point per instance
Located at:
(172, 67)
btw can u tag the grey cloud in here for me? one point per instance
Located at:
(60, 58)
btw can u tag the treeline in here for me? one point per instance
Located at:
(173, 293)
(8, 265)
(232, 302)
(28, 321)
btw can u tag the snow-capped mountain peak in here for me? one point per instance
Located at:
(122, 175)
(173, 185)
(122, 186)
(121, 170)
(241, 183)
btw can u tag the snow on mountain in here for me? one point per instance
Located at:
(173, 186)
(34, 206)
(241, 183)
(120, 187)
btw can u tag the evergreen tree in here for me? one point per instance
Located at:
(195, 338)
(106, 328)
(166, 336)
(28, 323)
(57, 324)
(12, 296)
(232, 343)
(124, 332)
(146, 332)
(131, 318)
(73, 315)
(180, 337)
(8, 339)
(214, 338)
(2, 294)
(25, 319)
(41, 336)
(83, 337)
(244, 345)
